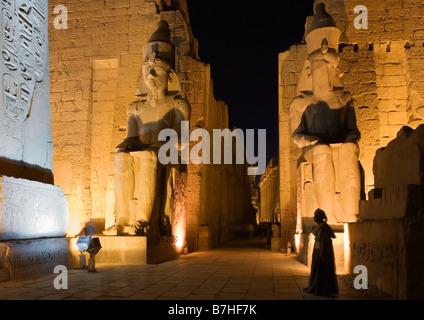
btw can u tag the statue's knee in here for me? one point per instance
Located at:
(123, 159)
(149, 155)
(321, 153)
(322, 148)
(350, 149)
(122, 156)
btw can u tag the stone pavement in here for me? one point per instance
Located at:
(240, 271)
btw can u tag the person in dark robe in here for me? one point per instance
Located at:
(323, 279)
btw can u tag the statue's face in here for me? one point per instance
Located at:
(156, 76)
(324, 70)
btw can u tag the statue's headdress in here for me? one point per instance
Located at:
(323, 35)
(322, 27)
(159, 46)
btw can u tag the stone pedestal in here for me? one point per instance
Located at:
(32, 217)
(306, 246)
(134, 250)
(122, 250)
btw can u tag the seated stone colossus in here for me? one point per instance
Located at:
(140, 179)
(323, 123)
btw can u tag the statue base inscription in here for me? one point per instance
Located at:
(29, 259)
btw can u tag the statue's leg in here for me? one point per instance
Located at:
(350, 179)
(145, 177)
(124, 187)
(320, 156)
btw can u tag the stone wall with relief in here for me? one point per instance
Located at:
(95, 66)
(388, 239)
(381, 68)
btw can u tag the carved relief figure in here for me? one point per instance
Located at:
(323, 123)
(140, 179)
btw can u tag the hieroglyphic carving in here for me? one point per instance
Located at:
(31, 209)
(24, 57)
(384, 254)
(33, 258)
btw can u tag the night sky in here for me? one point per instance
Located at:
(241, 41)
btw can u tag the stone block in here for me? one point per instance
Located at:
(122, 250)
(402, 161)
(134, 250)
(391, 105)
(398, 118)
(31, 209)
(30, 259)
(392, 203)
(391, 250)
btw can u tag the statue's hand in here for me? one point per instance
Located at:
(352, 137)
(310, 140)
(131, 145)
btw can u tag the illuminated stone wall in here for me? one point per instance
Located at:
(95, 67)
(382, 70)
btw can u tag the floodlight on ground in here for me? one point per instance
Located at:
(82, 244)
(90, 245)
(93, 249)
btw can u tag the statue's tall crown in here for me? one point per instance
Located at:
(322, 27)
(160, 46)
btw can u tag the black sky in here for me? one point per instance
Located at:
(241, 41)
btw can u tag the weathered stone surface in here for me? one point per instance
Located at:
(392, 252)
(392, 203)
(402, 161)
(31, 209)
(29, 259)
